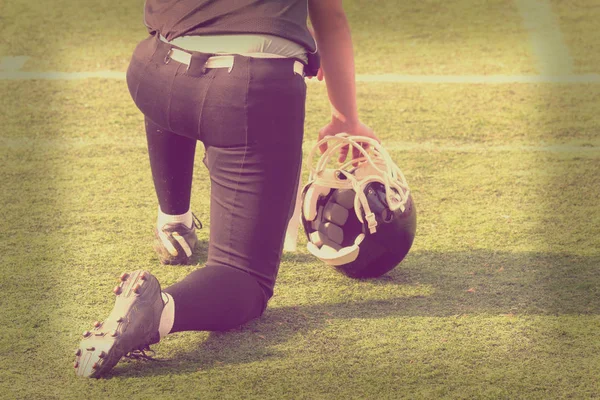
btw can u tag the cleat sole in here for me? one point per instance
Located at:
(123, 331)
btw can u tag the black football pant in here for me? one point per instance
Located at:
(250, 120)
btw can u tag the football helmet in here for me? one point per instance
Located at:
(358, 216)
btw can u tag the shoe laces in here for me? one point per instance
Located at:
(142, 353)
(196, 221)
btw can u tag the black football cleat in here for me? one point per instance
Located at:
(175, 243)
(131, 326)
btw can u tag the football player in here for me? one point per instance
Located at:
(230, 74)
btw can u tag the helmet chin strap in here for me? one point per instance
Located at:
(340, 257)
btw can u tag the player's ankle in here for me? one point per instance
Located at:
(164, 218)
(167, 317)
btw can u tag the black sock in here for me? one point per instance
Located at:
(172, 164)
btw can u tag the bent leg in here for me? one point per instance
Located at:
(252, 127)
(172, 163)
(252, 193)
(215, 298)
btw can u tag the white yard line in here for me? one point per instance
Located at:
(391, 78)
(63, 76)
(14, 63)
(552, 54)
(482, 148)
(44, 143)
(486, 79)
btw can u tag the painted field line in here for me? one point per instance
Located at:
(60, 76)
(393, 78)
(390, 145)
(13, 63)
(480, 79)
(552, 54)
(482, 148)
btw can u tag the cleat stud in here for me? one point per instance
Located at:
(97, 324)
(77, 352)
(114, 333)
(95, 366)
(143, 276)
(87, 333)
(91, 348)
(102, 354)
(120, 320)
(124, 276)
(75, 364)
(136, 288)
(117, 290)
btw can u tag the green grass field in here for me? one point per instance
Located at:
(498, 298)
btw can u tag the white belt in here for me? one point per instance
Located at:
(217, 61)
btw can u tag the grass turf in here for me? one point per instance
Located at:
(577, 20)
(499, 297)
(416, 37)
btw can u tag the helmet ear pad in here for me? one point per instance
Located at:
(335, 225)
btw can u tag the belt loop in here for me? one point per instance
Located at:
(200, 63)
(168, 56)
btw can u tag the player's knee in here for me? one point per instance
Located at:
(243, 296)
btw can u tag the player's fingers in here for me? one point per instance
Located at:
(343, 154)
(323, 148)
(355, 155)
(322, 135)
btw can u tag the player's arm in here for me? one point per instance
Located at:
(332, 33)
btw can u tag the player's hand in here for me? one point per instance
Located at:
(357, 129)
(319, 75)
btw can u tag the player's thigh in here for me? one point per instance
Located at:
(254, 181)
(252, 193)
